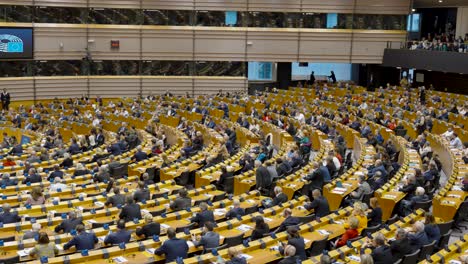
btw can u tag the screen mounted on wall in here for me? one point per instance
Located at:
(16, 43)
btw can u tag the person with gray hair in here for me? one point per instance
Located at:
(236, 211)
(6, 181)
(417, 237)
(381, 252)
(150, 228)
(35, 228)
(58, 185)
(280, 197)
(203, 216)
(8, 217)
(401, 245)
(289, 255)
(409, 187)
(68, 224)
(408, 205)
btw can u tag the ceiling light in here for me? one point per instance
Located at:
(440, 1)
(413, 10)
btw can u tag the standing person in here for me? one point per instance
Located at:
(332, 77)
(312, 78)
(5, 97)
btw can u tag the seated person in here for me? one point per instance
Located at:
(122, 235)
(150, 228)
(130, 211)
(359, 213)
(408, 205)
(209, 238)
(203, 216)
(294, 239)
(381, 252)
(261, 228)
(374, 215)
(8, 217)
(417, 237)
(280, 197)
(401, 245)
(319, 204)
(173, 247)
(350, 232)
(44, 248)
(142, 193)
(117, 199)
(289, 255)
(82, 240)
(182, 202)
(431, 228)
(288, 221)
(236, 211)
(235, 256)
(68, 224)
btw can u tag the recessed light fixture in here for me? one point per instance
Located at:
(413, 10)
(440, 1)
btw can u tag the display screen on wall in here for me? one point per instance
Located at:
(260, 71)
(342, 70)
(16, 43)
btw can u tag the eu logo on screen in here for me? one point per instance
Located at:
(11, 44)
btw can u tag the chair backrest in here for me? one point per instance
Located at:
(219, 197)
(202, 201)
(444, 239)
(12, 260)
(251, 210)
(370, 229)
(411, 258)
(182, 228)
(229, 185)
(445, 227)
(234, 241)
(318, 246)
(427, 250)
(423, 205)
(354, 239)
(366, 197)
(306, 219)
(392, 219)
(208, 250)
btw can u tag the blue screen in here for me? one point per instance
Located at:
(332, 20)
(16, 43)
(25, 140)
(342, 70)
(231, 18)
(260, 71)
(413, 23)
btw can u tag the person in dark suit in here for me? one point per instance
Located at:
(319, 204)
(401, 245)
(140, 154)
(149, 229)
(375, 214)
(294, 239)
(5, 98)
(280, 197)
(431, 228)
(83, 240)
(236, 211)
(113, 164)
(235, 256)
(261, 228)
(67, 161)
(332, 77)
(410, 187)
(117, 199)
(56, 173)
(222, 179)
(288, 221)
(173, 247)
(182, 202)
(406, 206)
(142, 193)
(6, 181)
(209, 239)
(203, 216)
(34, 232)
(102, 175)
(130, 211)
(74, 148)
(33, 177)
(290, 255)
(115, 148)
(68, 224)
(417, 237)
(312, 77)
(100, 139)
(315, 177)
(121, 236)
(16, 150)
(7, 217)
(263, 178)
(381, 253)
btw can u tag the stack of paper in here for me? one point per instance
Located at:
(323, 232)
(219, 211)
(245, 256)
(120, 260)
(24, 253)
(244, 228)
(339, 190)
(165, 226)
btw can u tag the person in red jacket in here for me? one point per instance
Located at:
(350, 233)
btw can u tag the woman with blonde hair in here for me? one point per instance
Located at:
(360, 214)
(375, 212)
(350, 232)
(36, 198)
(366, 259)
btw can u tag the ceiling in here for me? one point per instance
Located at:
(435, 3)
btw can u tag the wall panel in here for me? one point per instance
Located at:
(115, 3)
(19, 88)
(322, 46)
(159, 85)
(220, 45)
(60, 87)
(274, 5)
(223, 5)
(71, 3)
(272, 45)
(168, 4)
(172, 43)
(48, 37)
(129, 37)
(114, 86)
(211, 85)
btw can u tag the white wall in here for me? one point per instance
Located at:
(462, 21)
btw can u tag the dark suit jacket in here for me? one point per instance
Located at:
(68, 224)
(203, 217)
(82, 241)
(320, 206)
(316, 180)
(130, 211)
(234, 212)
(400, 248)
(290, 221)
(118, 237)
(141, 194)
(149, 230)
(116, 199)
(181, 203)
(375, 217)
(263, 178)
(258, 233)
(289, 260)
(299, 244)
(33, 179)
(209, 240)
(8, 218)
(418, 240)
(173, 248)
(382, 255)
(280, 198)
(55, 174)
(140, 155)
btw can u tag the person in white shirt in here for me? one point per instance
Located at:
(363, 106)
(300, 117)
(58, 185)
(456, 142)
(448, 134)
